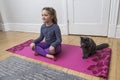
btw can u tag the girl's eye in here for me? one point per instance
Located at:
(44, 15)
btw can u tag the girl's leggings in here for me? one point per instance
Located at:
(43, 49)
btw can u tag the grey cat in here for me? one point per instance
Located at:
(89, 47)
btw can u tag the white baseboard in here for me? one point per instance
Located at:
(25, 27)
(36, 28)
(112, 31)
(0, 26)
(6, 27)
(118, 32)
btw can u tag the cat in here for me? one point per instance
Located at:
(89, 47)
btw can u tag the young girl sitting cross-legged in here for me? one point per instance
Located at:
(52, 34)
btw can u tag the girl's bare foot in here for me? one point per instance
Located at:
(51, 57)
(36, 54)
(54, 58)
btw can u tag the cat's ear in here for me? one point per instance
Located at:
(81, 38)
(87, 39)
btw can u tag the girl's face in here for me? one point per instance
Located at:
(46, 17)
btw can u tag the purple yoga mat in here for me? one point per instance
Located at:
(71, 57)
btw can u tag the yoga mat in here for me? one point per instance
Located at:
(14, 68)
(71, 57)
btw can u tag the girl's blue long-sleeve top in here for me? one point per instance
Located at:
(52, 35)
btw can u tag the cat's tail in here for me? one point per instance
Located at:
(102, 46)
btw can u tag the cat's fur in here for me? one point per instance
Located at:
(89, 47)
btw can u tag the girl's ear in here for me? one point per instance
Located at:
(52, 17)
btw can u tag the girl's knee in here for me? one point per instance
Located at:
(52, 51)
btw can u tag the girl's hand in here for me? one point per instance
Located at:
(32, 46)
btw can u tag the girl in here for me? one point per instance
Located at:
(52, 34)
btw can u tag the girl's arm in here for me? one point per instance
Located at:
(58, 37)
(39, 39)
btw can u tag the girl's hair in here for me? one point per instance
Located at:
(52, 12)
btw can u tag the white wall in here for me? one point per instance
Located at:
(119, 16)
(25, 15)
(118, 24)
(1, 21)
(113, 30)
(3, 15)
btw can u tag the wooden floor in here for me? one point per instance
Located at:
(10, 38)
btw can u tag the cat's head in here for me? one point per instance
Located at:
(84, 41)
